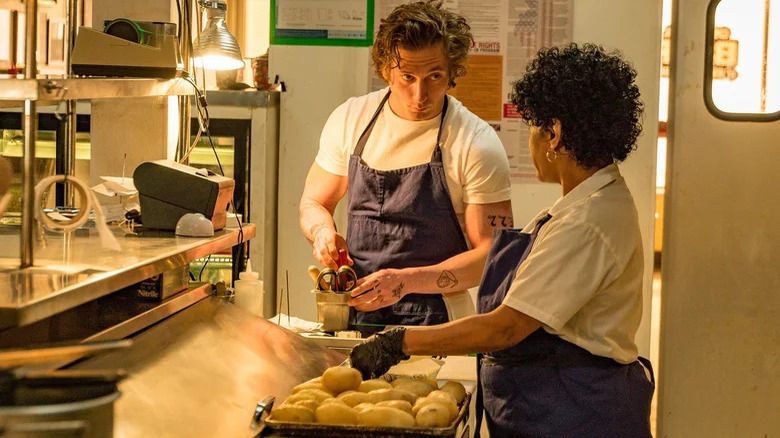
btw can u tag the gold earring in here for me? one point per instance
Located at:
(551, 155)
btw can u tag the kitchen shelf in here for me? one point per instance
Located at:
(75, 269)
(57, 89)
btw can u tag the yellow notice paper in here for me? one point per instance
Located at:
(480, 89)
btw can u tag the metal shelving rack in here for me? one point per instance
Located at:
(31, 89)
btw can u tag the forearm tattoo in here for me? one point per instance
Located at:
(501, 221)
(397, 291)
(447, 279)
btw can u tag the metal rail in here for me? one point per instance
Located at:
(30, 127)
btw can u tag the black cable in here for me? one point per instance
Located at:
(178, 29)
(200, 274)
(222, 171)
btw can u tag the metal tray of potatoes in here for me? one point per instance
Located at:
(458, 429)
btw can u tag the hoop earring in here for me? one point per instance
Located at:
(551, 155)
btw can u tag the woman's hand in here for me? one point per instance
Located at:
(326, 246)
(381, 289)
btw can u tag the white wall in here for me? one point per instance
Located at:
(341, 73)
(318, 79)
(634, 28)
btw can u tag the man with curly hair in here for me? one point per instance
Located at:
(560, 301)
(427, 180)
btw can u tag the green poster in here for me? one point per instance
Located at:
(322, 22)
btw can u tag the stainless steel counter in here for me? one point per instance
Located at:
(201, 372)
(245, 98)
(75, 269)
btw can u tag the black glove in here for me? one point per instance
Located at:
(374, 356)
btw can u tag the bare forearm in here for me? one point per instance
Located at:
(497, 330)
(455, 274)
(314, 217)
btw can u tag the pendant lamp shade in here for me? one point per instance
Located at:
(216, 48)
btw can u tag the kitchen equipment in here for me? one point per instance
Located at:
(136, 49)
(169, 190)
(343, 280)
(459, 428)
(64, 402)
(77, 404)
(66, 352)
(332, 310)
(314, 273)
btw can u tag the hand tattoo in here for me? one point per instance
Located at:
(397, 291)
(447, 279)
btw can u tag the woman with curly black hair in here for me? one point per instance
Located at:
(560, 300)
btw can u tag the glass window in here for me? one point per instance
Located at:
(11, 147)
(203, 156)
(742, 81)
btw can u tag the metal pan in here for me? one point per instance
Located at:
(458, 428)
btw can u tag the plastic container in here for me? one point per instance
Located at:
(249, 291)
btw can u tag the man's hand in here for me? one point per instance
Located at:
(326, 245)
(374, 356)
(381, 289)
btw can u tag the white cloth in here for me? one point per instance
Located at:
(583, 276)
(474, 160)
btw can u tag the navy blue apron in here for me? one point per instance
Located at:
(400, 219)
(545, 386)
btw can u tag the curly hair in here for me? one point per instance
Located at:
(419, 25)
(592, 93)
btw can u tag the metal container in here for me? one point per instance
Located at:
(332, 310)
(458, 429)
(85, 411)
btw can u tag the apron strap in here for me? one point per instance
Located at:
(479, 406)
(436, 156)
(361, 144)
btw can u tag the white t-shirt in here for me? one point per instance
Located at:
(583, 276)
(474, 160)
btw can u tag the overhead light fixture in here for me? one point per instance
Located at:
(216, 48)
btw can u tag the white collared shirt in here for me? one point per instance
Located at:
(583, 276)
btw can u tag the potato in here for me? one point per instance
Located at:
(309, 385)
(310, 404)
(336, 413)
(416, 387)
(456, 390)
(353, 398)
(392, 394)
(425, 401)
(386, 417)
(310, 394)
(317, 379)
(443, 395)
(433, 415)
(403, 380)
(371, 385)
(292, 413)
(332, 400)
(363, 406)
(339, 379)
(402, 405)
